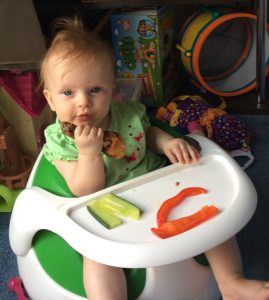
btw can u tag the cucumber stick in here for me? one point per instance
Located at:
(121, 206)
(103, 215)
(107, 208)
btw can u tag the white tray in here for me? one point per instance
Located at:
(132, 244)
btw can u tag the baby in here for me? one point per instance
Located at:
(77, 74)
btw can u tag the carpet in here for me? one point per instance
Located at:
(253, 239)
(8, 263)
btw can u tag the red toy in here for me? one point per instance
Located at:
(15, 285)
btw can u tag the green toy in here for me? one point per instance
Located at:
(7, 198)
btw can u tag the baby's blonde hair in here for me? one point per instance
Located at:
(72, 41)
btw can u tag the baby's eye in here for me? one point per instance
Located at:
(95, 90)
(67, 92)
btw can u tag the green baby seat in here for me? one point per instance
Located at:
(61, 262)
(44, 231)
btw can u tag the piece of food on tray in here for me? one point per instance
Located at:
(113, 144)
(172, 202)
(103, 215)
(107, 209)
(177, 226)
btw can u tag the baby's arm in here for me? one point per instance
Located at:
(176, 149)
(85, 175)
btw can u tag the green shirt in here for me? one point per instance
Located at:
(128, 119)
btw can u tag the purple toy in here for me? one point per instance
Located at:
(193, 114)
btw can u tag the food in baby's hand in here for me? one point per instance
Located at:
(108, 207)
(68, 129)
(113, 144)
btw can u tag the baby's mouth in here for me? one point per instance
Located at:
(83, 118)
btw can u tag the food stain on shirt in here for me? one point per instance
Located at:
(138, 137)
(131, 157)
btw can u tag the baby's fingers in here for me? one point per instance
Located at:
(175, 157)
(82, 130)
(183, 154)
(186, 154)
(194, 154)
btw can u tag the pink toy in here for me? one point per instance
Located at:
(22, 88)
(15, 285)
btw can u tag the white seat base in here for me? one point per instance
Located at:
(184, 280)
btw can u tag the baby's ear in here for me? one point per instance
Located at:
(48, 97)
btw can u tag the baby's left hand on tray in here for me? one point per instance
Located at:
(179, 150)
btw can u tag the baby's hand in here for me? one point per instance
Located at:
(179, 150)
(89, 140)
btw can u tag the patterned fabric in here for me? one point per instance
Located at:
(231, 133)
(226, 130)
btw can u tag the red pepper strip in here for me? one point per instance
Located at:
(170, 203)
(180, 225)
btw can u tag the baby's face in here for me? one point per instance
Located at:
(80, 93)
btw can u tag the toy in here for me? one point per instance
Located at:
(191, 113)
(7, 198)
(142, 42)
(16, 167)
(227, 37)
(127, 90)
(25, 108)
(15, 285)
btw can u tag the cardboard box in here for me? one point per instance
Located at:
(142, 41)
(127, 90)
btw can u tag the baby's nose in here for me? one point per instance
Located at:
(84, 100)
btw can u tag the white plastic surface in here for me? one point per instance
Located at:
(182, 280)
(37, 283)
(133, 244)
